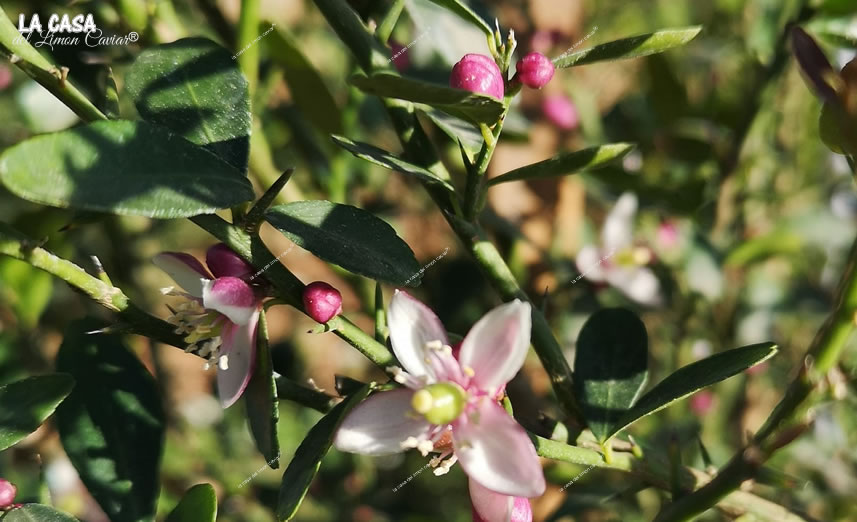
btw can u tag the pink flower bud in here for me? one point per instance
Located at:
(667, 234)
(521, 511)
(7, 493)
(560, 111)
(322, 302)
(399, 56)
(5, 77)
(701, 402)
(535, 70)
(478, 73)
(223, 262)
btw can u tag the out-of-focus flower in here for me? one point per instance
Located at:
(489, 506)
(5, 77)
(322, 302)
(445, 398)
(560, 110)
(617, 260)
(535, 70)
(701, 402)
(399, 56)
(478, 73)
(7, 493)
(219, 315)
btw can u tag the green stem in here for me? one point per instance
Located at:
(385, 28)
(291, 391)
(380, 315)
(51, 77)
(246, 44)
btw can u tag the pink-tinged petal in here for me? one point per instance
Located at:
(239, 347)
(495, 451)
(490, 506)
(412, 324)
(223, 262)
(379, 425)
(231, 297)
(184, 269)
(618, 229)
(639, 284)
(591, 263)
(496, 346)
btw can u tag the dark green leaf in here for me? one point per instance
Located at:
(37, 513)
(568, 163)
(112, 425)
(610, 367)
(465, 13)
(457, 102)
(309, 92)
(122, 167)
(194, 87)
(199, 504)
(385, 159)
(303, 467)
(457, 129)
(25, 404)
(349, 237)
(694, 377)
(633, 47)
(261, 399)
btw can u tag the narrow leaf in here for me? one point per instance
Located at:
(457, 129)
(568, 163)
(307, 460)
(610, 367)
(465, 13)
(633, 47)
(814, 65)
(112, 425)
(383, 158)
(693, 377)
(350, 237)
(25, 404)
(840, 31)
(199, 504)
(261, 400)
(122, 167)
(37, 513)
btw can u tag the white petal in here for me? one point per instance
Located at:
(184, 269)
(496, 346)
(494, 450)
(231, 297)
(412, 324)
(590, 263)
(380, 424)
(639, 284)
(619, 225)
(239, 347)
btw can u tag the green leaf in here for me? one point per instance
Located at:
(468, 15)
(383, 158)
(37, 513)
(349, 237)
(610, 367)
(457, 129)
(457, 102)
(568, 163)
(693, 377)
(194, 87)
(633, 47)
(26, 289)
(306, 85)
(199, 504)
(122, 167)
(25, 404)
(840, 31)
(302, 469)
(112, 425)
(261, 399)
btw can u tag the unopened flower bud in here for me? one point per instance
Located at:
(322, 302)
(478, 73)
(223, 262)
(701, 402)
(7, 493)
(5, 77)
(535, 70)
(439, 403)
(521, 511)
(560, 111)
(399, 56)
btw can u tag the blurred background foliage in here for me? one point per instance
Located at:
(747, 216)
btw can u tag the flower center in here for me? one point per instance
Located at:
(201, 328)
(440, 403)
(633, 256)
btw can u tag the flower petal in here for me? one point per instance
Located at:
(239, 347)
(231, 297)
(412, 324)
(590, 263)
(379, 425)
(222, 261)
(618, 229)
(490, 506)
(639, 284)
(496, 346)
(184, 269)
(495, 451)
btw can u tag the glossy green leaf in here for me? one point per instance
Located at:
(307, 460)
(112, 425)
(199, 504)
(693, 377)
(568, 163)
(122, 167)
(383, 158)
(457, 102)
(37, 513)
(261, 399)
(610, 367)
(25, 404)
(350, 237)
(444, 32)
(457, 129)
(465, 13)
(307, 87)
(633, 47)
(193, 87)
